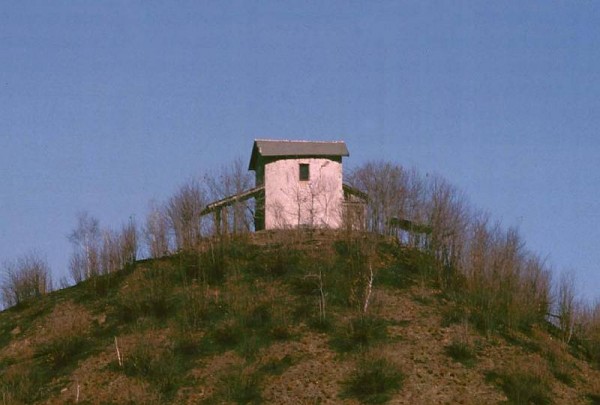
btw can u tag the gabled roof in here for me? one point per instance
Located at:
(272, 148)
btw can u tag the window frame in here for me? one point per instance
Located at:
(304, 172)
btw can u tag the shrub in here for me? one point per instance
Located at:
(65, 338)
(260, 326)
(258, 317)
(62, 350)
(563, 374)
(320, 324)
(587, 336)
(559, 366)
(280, 332)
(139, 361)
(277, 366)
(250, 345)
(594, 399)
(21, 384)
(304, 285)
(505, 286)
(189, 344)
(227, 334)
(240, 386)
(416, 264)
(462, 352)
(199, 306)
(359, 334)
(274, 264)
(373, 381)
(345, 279)
(102, 285)
(210, 267)
(454, 313)
(239, 247)
(594, 392)
(522, 387)
(26, 278)
(160, 367)
(148, 293)
(394, 276)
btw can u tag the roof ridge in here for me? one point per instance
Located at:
(296, 140)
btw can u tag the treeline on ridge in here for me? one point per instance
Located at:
(495, 281)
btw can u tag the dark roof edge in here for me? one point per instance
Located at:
(295, 148)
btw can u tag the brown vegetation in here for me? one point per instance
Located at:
(242, 321)
(461, 310)
(26, 278)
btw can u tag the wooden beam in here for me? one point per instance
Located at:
(227, 201)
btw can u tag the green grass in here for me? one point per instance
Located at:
(359, 334)
(216, 301)
(462, 352)
(23, 385)
(277, 366)
(227, 334)
(246, 335)
(395, 277)
(320, 324)
(239, 386)
(522, 387)
(63, 351)
(594, 399)
(454, 314)
(148, 295)
(163, 369)
(561, 368)
(373, 381)
(279, 263)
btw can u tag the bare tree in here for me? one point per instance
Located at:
(128, 242)
(183, 211)
(156, 231)
(385, 184)
(396, 193)
(233, 179)
(25, 278)
(587, 328)
(118, 248)
(86, 241)
(110, 259)
(504, 283)
(448, 216)
(566, 305)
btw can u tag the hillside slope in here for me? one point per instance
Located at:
(285, 318)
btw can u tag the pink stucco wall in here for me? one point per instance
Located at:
(291, 202)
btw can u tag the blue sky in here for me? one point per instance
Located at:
(107, 105)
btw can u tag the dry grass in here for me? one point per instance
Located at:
(525, 383)
(65, 336)
(248, 337)
(373, 381)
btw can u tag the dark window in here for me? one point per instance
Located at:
(304, 172)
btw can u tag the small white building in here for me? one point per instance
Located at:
(298, 184)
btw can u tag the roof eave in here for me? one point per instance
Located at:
(256, 152)
(253, 157)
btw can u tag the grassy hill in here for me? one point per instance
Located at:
(285, 318)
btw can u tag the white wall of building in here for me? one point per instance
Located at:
(291, 203)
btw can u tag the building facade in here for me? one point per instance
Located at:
(299, 184)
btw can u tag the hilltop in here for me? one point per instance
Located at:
(281, 317)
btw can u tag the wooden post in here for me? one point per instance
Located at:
(225, 220)
(218, 220)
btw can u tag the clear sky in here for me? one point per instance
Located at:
(107, 105)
